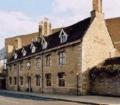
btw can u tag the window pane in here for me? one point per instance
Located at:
(37, 80)
(48, 60)
(62, 58)
(21, 80)
(48, 79)
(15, 80)
(61, 79)
(38, 63)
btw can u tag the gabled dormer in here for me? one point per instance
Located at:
(24, 52)
(15, 55)
(63, 36)
(44, 43)
(33, 47)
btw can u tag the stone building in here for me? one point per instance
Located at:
(60, 62)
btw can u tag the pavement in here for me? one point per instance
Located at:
(89, 100)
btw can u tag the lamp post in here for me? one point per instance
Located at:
(29, 78)
(77, 75)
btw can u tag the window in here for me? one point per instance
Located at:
(62, 58)
(28, 65)
(37, 80)
(15, 66)
(48, 60)
(63, 36)
(15, 80)
(10, 80)
(10, 67)
(33, 48)
(21, 65)
(48, 79)
(21, 80)
(24, 52)
(44, 43)
(15, 56)
(61, 80)
(38, 63)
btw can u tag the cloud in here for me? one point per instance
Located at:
(71, 11)
(15, 22)
(73, 6)
(111, 8)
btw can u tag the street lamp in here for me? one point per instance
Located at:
(77, 75)
(29, 78)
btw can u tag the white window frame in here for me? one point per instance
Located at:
(48, 60)
(62, 57)
(24, 52)
(33, 48)
(63, 36)
(15, 56)
(44, 43)
(38, 63)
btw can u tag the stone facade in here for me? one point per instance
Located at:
(71, 68)
(96, 47)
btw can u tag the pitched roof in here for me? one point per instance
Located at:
(27, 38)
(74, 32)
(113, 26)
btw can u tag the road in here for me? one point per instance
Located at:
(9, 100)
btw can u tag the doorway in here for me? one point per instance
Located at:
(29, 89)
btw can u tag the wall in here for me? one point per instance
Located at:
(106, 86)
(96, 47)
(71, 68)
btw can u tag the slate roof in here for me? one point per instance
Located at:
(74, 32)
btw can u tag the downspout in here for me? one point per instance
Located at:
(18, 88)
(42, 73)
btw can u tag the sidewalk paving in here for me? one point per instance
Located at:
(95, 100)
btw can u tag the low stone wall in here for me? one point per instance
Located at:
(105, 79)
(106, 86)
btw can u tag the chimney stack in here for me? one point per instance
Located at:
(45, 28)
(97, 5)
(18, 43)
(97, 8)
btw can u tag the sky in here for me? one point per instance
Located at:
(19, 17)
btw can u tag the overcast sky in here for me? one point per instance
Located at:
(23, 16)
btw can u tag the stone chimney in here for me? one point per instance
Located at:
(97, 8)
(45, 28)
(18, 43)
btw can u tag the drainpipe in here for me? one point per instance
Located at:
(77, 84)
(18, 87)
(42, 73)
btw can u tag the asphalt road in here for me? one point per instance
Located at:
(8, 99)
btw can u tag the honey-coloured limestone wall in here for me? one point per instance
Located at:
(96, 47)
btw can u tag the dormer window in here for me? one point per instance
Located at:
(24, 52)
(15, 56)
(44, 43)
(63, 36)
(33, 48)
